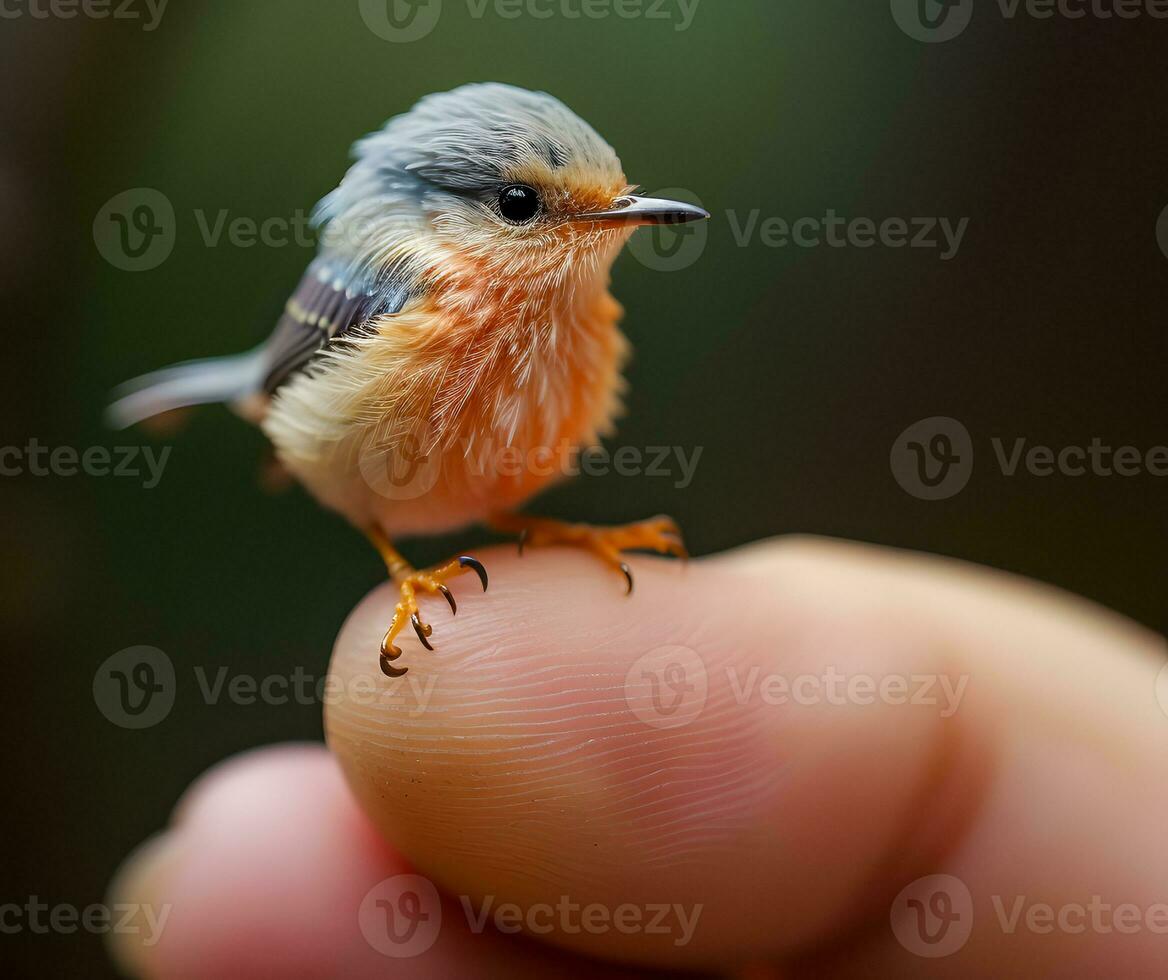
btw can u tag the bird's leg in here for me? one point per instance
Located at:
(660, 534)
(410, 581)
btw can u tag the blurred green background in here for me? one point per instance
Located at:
(794, 369)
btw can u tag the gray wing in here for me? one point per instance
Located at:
(333, 301)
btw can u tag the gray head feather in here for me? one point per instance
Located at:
(467, 142)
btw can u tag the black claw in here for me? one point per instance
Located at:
(388, 669)
(628, 577)
(522, 541)
(467, 562)
(422, 630)
(449, 598)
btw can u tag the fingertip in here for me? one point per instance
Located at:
(249, 774)
(149, 878)
(274, 871)
(537, 751)
(252, 876)
(144, 882)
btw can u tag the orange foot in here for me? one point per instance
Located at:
(412, 582)
(660, 534)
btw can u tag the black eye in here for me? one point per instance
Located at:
(518, 203)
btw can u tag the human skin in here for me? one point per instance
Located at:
(525, 764)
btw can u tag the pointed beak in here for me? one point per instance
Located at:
(647, 211)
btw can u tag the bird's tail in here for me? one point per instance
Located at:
(215, 379)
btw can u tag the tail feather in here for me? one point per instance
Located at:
(216, 379)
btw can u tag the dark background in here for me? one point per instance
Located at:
(795, 369)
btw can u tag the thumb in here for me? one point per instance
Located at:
(567, 746)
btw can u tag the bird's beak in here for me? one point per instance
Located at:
(632, 210)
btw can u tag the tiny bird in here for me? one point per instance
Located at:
(457, 314)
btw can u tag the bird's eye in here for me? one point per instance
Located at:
(518, 203)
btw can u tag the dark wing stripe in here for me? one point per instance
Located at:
(328, 304)
(292, 358)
